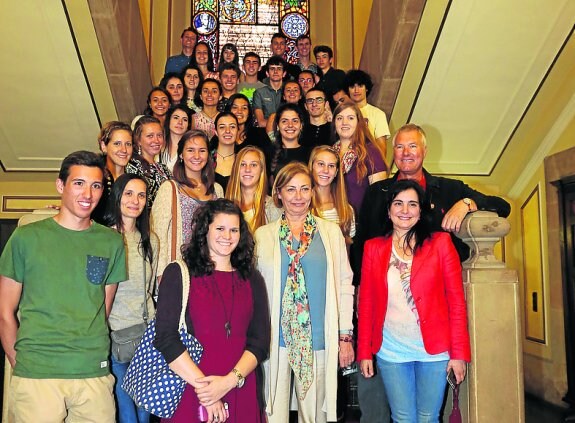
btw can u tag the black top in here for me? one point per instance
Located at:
(314, 135)
(259, 138)
(442, 194)
(288, 155)
(331, 82)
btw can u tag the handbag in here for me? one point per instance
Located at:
(455, 416)
(149, 381)
(125, 341)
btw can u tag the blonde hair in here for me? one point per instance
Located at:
(234, 189)
(337, 189)
(285, 175)
(359, 139)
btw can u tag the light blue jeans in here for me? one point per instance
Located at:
(127, 410)
(415, 389)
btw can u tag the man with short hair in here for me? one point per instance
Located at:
(330, 79)
(178, 62)
(306, 80)
(318, 132)
(268, 98)
(278, 48)
(451, 200)
(229, 77)
(61, 275)
(359, 84)
(303, 46)
(251, 64)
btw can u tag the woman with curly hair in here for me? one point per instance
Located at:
(248, 187)
(227, 313)
(362, 162)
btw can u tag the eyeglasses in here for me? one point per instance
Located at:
(317, 100)
(305, 80)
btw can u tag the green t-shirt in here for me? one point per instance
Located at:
(63, 332)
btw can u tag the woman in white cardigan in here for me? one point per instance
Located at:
(304, 263)
(193, 185)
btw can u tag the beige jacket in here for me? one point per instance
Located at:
(161, 221)
(338, 304)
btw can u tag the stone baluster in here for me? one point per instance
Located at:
(493, 389)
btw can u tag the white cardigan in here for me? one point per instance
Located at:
(161, 221)
(338, 304)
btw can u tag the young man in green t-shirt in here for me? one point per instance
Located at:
(61, 275)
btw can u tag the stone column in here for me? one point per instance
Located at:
(493, 390)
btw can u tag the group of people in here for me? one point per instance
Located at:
(280, 234)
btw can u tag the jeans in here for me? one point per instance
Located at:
(414, 389)
(127, 410)
(372, 399)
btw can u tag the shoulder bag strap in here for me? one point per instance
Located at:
(185, 292)
(174, 220)
(145, 315)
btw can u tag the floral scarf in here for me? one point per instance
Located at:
(348, 159)
(295, 318)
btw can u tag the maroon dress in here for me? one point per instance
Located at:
(214, 300)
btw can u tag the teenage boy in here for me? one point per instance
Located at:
(61, 275)
(178, 62)
(278, 48)
(251, 64)
(359, 84)
(229, 77)
(330, 78)
(303, 46)
(268, 98)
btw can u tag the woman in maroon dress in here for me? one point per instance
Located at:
(227, 312)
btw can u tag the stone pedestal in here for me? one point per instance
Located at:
(493, 390)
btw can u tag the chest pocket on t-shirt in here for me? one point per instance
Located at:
(96, 268)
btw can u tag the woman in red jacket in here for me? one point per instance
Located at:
(413, 316)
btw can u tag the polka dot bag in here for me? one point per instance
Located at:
(149, 381)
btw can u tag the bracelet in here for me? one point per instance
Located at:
(347, 338)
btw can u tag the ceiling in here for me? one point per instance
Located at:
(47, 105)
(489, 80)
(474, 74)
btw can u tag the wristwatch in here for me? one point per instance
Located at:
(241, 379)
(468, 202)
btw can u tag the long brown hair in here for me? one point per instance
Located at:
(337, 189)
(359, 139)
(234, 189)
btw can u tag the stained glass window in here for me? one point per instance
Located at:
(250, 24)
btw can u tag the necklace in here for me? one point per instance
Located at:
(225, 157)
(227, 325)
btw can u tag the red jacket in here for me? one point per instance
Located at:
(437, 289)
